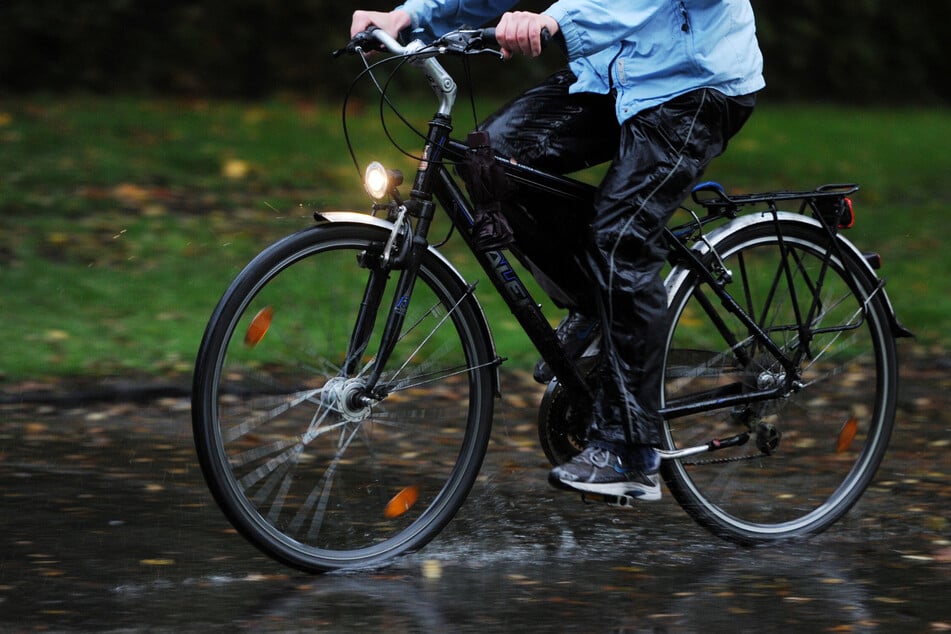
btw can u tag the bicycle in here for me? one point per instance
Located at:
(344, 387)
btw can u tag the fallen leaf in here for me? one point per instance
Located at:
(943, 556)
(235, 169)
(432, 569)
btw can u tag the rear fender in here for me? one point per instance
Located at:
(678, 273)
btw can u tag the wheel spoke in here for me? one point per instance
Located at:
(302, 456)
(813, 302)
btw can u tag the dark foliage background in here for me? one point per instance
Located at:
(861, 51)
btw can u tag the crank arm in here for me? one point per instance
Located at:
(714, 445)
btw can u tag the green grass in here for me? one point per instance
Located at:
(123, 220)
(900, 160)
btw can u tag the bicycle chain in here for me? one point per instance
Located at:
(725, 460)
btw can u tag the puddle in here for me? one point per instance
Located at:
(106, 525)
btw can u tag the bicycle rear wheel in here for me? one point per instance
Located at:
(813, 452)
(305, 470)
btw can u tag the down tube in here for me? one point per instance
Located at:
(507, 282)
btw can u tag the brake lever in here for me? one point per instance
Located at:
(359, 42)
(464, 42)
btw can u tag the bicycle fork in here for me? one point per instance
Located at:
(402, 252)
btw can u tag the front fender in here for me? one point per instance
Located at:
(354, 218)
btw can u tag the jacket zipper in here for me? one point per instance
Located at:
(685, 27)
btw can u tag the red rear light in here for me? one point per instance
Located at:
(835, 211)
(847, 217)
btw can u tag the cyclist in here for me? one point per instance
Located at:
(656, 87)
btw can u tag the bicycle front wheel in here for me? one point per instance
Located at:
(304, 467)
(812, 452)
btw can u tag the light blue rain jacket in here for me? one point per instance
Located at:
(646, 51)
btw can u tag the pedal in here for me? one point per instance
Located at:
(618, 501)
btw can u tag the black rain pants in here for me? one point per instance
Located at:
(611, 267)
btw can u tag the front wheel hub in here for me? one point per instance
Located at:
(347, 397)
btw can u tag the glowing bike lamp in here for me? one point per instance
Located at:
(378, 181)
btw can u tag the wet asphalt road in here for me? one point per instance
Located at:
(106, 526)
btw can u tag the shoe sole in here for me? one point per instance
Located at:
(632, 490)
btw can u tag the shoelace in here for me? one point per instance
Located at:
(602, 458)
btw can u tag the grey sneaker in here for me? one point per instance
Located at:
(599, 471)
(576, 332)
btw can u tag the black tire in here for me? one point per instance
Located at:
(306, 473)
(832, 433)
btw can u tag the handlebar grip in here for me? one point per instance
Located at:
(488, 33)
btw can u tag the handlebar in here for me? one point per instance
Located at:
(422, 55)
(461, 41)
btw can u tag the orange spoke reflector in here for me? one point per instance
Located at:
(401, 502)
(258, 327)
(847, 435)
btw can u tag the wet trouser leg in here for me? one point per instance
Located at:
(661, 154)
(657, 155)
(552, 130)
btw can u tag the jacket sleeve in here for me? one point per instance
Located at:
(590, 26)
(437, 17)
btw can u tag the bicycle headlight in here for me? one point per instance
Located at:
(377, 181)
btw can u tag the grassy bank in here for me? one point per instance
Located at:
(123, 220)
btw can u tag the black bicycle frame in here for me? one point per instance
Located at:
(497, 266)
(433, 179)
(733, 395)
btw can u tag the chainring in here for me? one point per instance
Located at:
(563, 419)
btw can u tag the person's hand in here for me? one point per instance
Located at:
(392, 22)
(520, 32)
